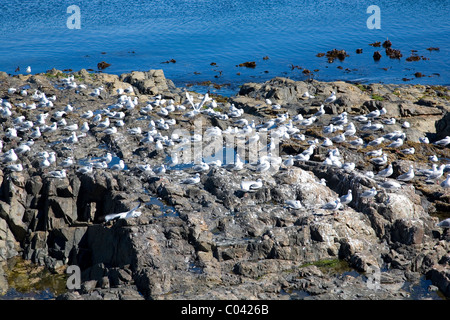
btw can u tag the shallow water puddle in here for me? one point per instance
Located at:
(29, 281)
(166, 210)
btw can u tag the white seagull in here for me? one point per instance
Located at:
(332, 205)
(369, 193)
(133, 213)
(446, 183)
(251, 185)
(293, 204)
(331, 98)
(192, 180)
(443, 142)
(346, 198)
(386, 172)
(379, 161)
(407, 176)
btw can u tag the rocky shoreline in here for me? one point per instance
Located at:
(218, 238)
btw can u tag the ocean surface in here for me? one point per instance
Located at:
(208, 39)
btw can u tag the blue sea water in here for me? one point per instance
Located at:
(142, 34)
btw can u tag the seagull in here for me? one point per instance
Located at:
(251, 185)
(28, 69)
(144, 167)
(350, 129)
(45, 163)
(307, 95)
(107, 158)
(134, 131)
(72, 139)
(332, 205)
(200, 167)
(57, 174)
(390, 185)
(103, 124)
(15, 167)
(357, 142)
(160, 170)
(110, 131)
(427, 172)
(436, 174)
(327, 142)
(424, 140)
(348, 166)
(159, 146)
(374, 153)
(370, 174)
(237, 165)
(446, 183)
(133, 213)
(263, 166)
(289, 162)
(85, 169)
(407, 176)
(406, 124)
(369, 193)
(23, 148)
(67, 162)
(379, 161)
(331, 98)
(293, 204)
(321, 111)
(10, 156)
(444, 223)
(346, 198)
(409, 150)
(84, 127)
(386, 172)
(397, 143)
(119, 166)
(192, 180)
(376, 142)
(11, 133)
(390, 121)
(373, 114)
(36, 133)
(339, 138)
(88, 114)
(443, 142)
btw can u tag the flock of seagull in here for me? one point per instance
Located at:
(342, 130)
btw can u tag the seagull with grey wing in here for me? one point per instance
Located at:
(133, 213)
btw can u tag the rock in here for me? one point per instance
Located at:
(152, 82)
(376, 55)
(443, 126)
(440, 276)
(213, 239)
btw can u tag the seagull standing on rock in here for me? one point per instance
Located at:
(446, 183)
(379, 161)
(332, 205)
(251, 185)
(443, 142)
(386, 172)
(369, 193)
(407, 176)
(192, 180)
(346, 198)
(293, 204)
(331, 98)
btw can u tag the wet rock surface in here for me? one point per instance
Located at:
(250, 227)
